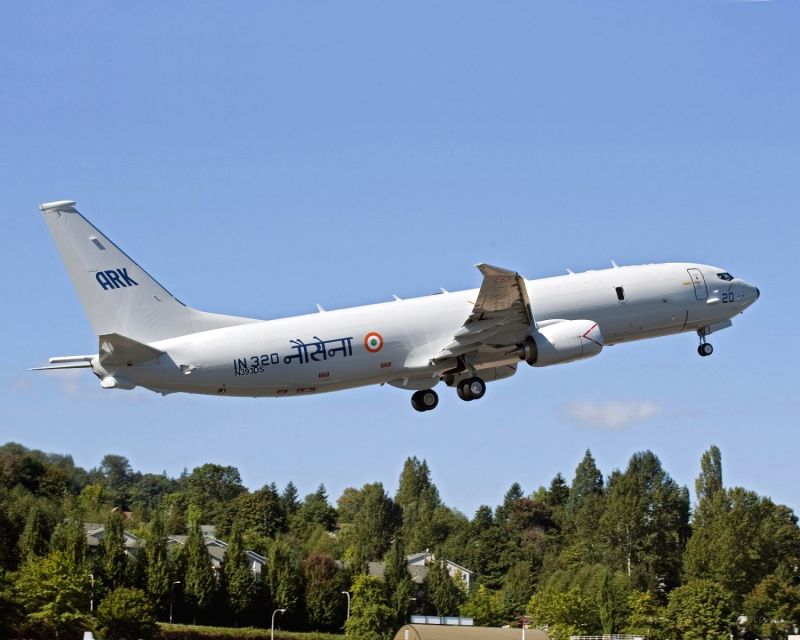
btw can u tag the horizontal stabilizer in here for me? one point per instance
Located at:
(117, 350)
(80, 364)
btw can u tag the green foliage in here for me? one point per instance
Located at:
(647, 617)
(315, 511)
(595, 557)
(740, 538)
(371, 617)
(187, 632)
(563, 613)
(485, 607)
(701, 610)
(126, 614)
(323, 594)
(242, 586)
(284, 577)
(373, 525)
(200, 584)
(210, 486)
(772, 609)
(114, 559)
(442, 591)
(709, 482)
(10, 608)
(158, 576)
(588, 481)
(262, 514)
(54, 594)
(646, 522)
(33, 541)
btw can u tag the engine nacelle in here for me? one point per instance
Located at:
(563, 341)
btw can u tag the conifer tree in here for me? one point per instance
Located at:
(114, 559)
(242, 586)
(200, 583)
(157, 573)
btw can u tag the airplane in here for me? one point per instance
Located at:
(464, 339)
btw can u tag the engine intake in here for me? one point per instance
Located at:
(563, 341)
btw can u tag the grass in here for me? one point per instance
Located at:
(196, 632)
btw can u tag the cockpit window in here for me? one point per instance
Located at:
(725, 276)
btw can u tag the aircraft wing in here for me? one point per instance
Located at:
(500, 319)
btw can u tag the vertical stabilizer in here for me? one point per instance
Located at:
(118, 295)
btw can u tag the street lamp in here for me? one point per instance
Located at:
(91, 600)
(172, 598)
(272, 628)
(347, 593)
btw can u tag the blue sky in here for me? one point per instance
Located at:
(258, 158)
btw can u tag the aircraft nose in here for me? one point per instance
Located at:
(758, 293)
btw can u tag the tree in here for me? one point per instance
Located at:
(772, 609)
(563, 613)
(289, 499)
(10, 609)
(646, 616)
(210, 486)
(709, 482)
(69, 535)
(200, 583)
(114, 558)
(371, 616)
(373, 526)
(315, 511)
(158, 575)
(53, 592)
(740, 538)
(517, 589)
(485, 607)
(33, 541)
(701, 610)
(117, 477)
(442, 591)
(284, 577)
(646, 523)
(261, 514)
(242, 587)
(126, 614)
(324, 601)
(418, 499)
(397, 580)
(588, 481)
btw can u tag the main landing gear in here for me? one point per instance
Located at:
(471, 389)
(704, 348)
(425, 400)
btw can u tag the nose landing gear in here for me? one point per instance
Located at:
(704, 348)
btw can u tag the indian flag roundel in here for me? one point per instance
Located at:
(373, 342)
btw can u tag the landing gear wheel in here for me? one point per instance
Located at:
(477, 388)
(471, 389)
(705, 349)
(425, 400)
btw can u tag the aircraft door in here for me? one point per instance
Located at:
(699, 282)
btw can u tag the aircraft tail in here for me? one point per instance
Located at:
(118, 295)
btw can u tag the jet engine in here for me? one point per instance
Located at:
(563, 341)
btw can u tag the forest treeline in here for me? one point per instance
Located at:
(620, 553)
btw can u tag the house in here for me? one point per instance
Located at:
(418, 565)
(96, 532)
(216, 550)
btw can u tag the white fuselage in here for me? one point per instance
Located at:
(330, 350)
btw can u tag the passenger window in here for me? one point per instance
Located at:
(620, 293)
